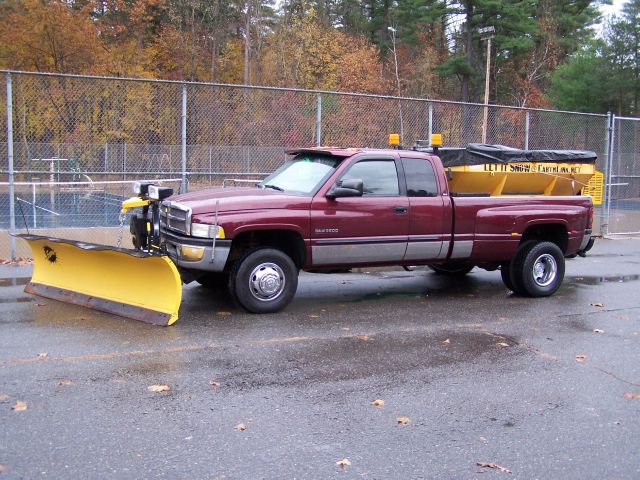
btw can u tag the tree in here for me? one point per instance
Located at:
(50, 36)
(581, 84)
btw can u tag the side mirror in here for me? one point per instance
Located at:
(352, 187)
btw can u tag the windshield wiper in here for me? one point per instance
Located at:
(275, 187)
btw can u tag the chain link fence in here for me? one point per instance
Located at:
(623, 192)
(94, 131)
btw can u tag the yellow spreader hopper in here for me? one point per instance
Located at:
(129, 283)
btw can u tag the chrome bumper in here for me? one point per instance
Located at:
(210, 261)
(585, 240)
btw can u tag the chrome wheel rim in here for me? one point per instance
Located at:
(545, 270)
(266, 282)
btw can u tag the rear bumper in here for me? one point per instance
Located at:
(585, 239)
(212, 260)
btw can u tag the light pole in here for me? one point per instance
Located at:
(486, 33)
(395, 59)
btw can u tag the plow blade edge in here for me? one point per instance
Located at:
(124, 282)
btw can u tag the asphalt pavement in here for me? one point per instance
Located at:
(470, 380)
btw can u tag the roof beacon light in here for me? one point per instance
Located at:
(394, 139)
(436, 139)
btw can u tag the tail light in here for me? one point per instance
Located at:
(590, 218)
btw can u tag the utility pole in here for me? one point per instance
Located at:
(395, 59)
(486, 33)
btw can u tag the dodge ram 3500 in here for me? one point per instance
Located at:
(333, 208)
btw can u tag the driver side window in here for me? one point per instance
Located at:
(379, 177)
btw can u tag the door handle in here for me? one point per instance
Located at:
(400, 210)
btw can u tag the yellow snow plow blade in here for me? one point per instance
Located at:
(124, 282)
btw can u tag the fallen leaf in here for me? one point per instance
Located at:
(378, 403)
(19, 406)
(223, 314)
(447, 342)
(403, 420)
(343, 463)
(64, 381)
(158, 388)
(240, 427)
(362, 337)
(493, 465)
(4, 398)
(581, 358)
(214, 383)
(597, 304)
(632, 396)
(598, 330)
(42, 355)
(503, 344)
(4, 469)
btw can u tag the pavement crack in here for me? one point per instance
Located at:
(602, 310)
(595, 367)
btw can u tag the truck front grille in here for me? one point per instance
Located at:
(176, 217)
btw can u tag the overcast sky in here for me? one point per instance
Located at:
(616, 7)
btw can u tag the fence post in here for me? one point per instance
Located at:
(609, 156)
(210, 171)
(124, 160)
(527, 119)
(430, 121)
(106, 160)
(12, 202)
(319, 121)
(33, 204)
(183, 140)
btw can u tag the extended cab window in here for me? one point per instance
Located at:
(379, 177)
(421, 179)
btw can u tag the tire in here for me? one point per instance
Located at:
(518, 258)
(505, 273)
(264, 280)
(214, 280)
(537, 270)
(452, 269)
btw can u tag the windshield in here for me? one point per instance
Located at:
(304, 174)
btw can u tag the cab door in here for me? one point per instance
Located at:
(430, 213)
(369, 229)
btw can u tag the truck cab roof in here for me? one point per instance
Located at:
(348, 152)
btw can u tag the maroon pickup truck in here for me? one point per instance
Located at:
(331, 208)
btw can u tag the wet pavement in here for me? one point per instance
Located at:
(545, 388)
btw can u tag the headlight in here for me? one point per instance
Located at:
(159, 193)
(203, 230)
(141, 189)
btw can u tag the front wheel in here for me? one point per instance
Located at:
(452, 269)
(538, 269)
(264, 280)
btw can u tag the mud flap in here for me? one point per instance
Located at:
(129, 283)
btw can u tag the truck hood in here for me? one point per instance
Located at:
(238, 199)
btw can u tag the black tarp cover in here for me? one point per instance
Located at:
(479, 154)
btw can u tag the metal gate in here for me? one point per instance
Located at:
(623, 177)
